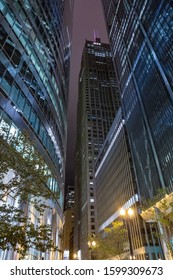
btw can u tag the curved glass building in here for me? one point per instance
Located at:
(35, 41)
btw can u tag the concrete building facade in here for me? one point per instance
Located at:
(97, 104)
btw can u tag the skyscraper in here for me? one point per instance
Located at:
(116, 189)
(98, 103)
(68, 221)
(35, 41)
(141, 39)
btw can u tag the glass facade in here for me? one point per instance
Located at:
(142, 40)
(35, 42)
(116, 188)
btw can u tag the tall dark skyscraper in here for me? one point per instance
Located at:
(141, 38)
(97, 105)
(35, 42)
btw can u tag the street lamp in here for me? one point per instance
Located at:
(127, 215)
(75, 257)
(91, 245)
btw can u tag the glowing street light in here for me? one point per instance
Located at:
(122, 212)
(130, 212)
(75, 256)
(126, 215)
(91, 245)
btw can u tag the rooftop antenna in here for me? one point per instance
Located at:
(95, 36)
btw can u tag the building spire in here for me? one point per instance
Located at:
(95, 36)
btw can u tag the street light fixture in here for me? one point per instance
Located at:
(91, 245)
(75, 257)
(127, 215)
(122, 212)
(130, 212)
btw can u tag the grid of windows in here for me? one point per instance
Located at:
(116, 188)
(34, 69)
(34, 76)
(97, 106)
(141, 39)
(22, 105)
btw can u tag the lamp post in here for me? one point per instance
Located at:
(127, 215)
(91, 245)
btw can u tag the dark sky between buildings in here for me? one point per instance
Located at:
(88, 20)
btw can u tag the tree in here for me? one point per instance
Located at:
(24, 179)
(160, 209)
(113, 244)
(149, 202)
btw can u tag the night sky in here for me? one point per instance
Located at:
(88, 20)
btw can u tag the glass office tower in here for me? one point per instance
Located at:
(141, 37)
(116, 188)
(35, 41)
(98, 103)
